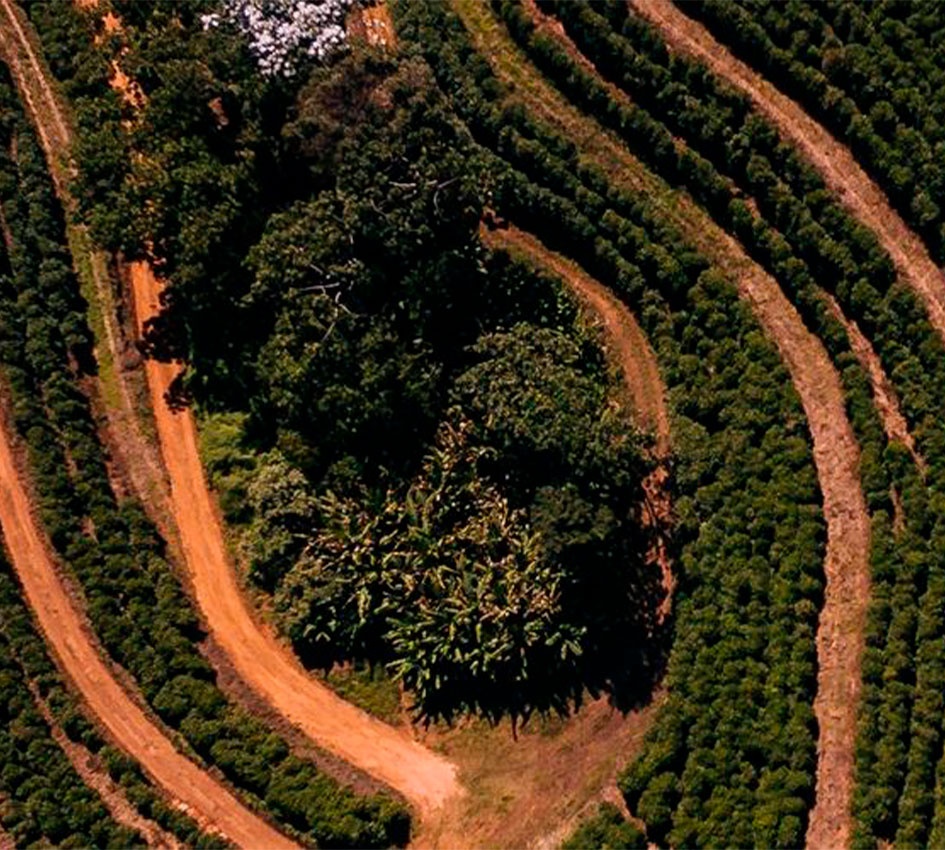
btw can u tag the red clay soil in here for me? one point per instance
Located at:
(390, 755)
(836, 163)
(205, 798)
(842, 621)
(112, 795)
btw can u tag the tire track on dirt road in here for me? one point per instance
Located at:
(206, 799)
(842, 621)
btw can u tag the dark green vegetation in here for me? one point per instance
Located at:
(135, 603)
(414, 435)
(748, 533)
(371, 351)
(43, 801)
(803, 236)
(606, 830)
(870, 72)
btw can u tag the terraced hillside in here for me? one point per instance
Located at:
(558, 382)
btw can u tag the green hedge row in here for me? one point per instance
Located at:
(868, 72)
(901, 677)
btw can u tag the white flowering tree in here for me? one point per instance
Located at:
(282, 33)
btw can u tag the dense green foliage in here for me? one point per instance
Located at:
(43, 801)
(894, 770)
(748, 531)
(364, 319)
(872, 73)
(418, 445)
(135, 602)
(605, 830)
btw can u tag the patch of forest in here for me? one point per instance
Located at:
(431, 467)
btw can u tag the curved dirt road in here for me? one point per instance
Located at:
(830, 819)
(631, 350)
(840, 633)
(390, 755)
(836, 164)
(208, 801)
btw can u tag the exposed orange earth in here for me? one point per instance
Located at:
(426, 779)
(202, 796)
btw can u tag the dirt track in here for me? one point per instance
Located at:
(836, 163)
(836, 454)
(208, 801)
(830, 824)
(390, 755)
